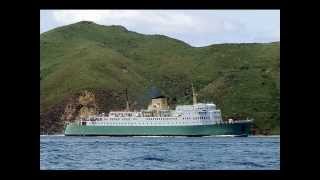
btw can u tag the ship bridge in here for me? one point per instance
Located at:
(198, 106)
(200, 111)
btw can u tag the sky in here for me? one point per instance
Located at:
(195, 27)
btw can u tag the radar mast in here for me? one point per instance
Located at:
(127, 100)
(194, 95)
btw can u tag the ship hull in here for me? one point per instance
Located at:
(242, 129)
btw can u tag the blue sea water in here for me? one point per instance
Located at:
(159, 153)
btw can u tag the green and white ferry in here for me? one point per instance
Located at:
(198, 119)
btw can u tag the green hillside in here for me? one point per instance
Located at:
(242, 79)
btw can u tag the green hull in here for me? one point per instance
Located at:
(74, 129)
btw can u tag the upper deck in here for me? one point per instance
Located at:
(197, 107)
(158, 112)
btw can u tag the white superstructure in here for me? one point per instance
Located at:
(184, 115)
(159, 114)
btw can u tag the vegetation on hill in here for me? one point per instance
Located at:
(242, 79)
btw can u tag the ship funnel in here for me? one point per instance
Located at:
(127, 101)
(194, 95)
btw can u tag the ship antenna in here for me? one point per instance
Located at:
(194, 95)
(127, 100)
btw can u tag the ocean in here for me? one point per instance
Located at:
(159, 153)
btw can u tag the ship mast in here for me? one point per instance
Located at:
(194, 95)
(127, 100)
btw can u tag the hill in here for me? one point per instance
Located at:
(242, 79)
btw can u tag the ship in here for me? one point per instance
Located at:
(197, 119)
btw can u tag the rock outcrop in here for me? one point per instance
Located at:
(81, 107)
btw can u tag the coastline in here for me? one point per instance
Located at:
(252, 136)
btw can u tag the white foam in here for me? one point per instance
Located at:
(224, 136)
(265, 136)
(51, 134)
(159, 136)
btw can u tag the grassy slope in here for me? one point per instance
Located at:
(242, 79)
